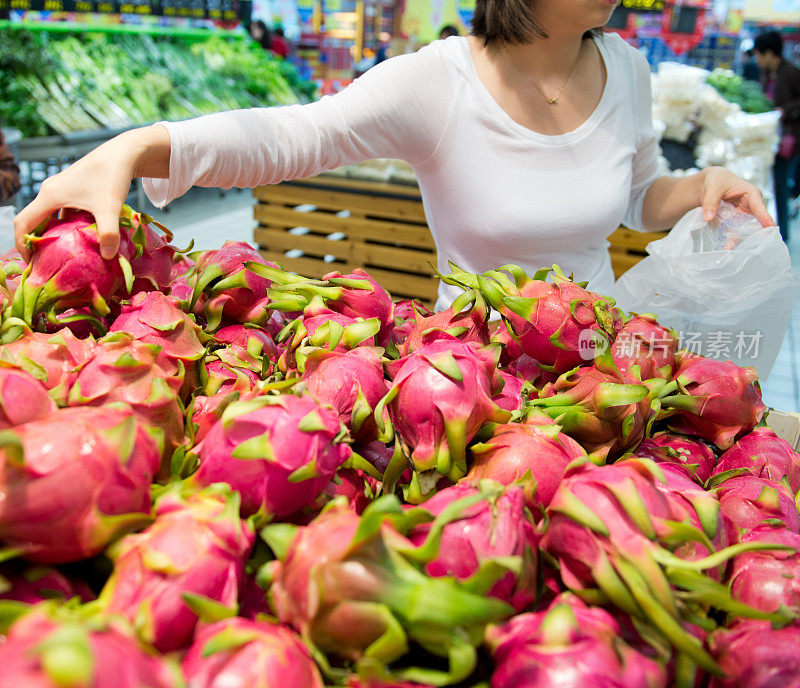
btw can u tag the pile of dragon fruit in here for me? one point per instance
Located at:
(218, 474)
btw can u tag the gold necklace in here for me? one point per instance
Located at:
(554, 99)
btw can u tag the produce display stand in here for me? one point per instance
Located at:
(326, 223)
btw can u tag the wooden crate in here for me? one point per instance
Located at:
(319, 225)
(629, 247)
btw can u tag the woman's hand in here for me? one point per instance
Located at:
(719, 184)
(99, 183)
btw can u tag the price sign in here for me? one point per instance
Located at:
(643, 5)
(221, 10)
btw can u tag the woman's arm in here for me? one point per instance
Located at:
(669, 198)
(99, 183)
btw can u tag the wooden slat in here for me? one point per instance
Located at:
(278, 240)
(399, 209)
(621, 262)
(407, 285)
(627, 238)
(411, 190)
(353, 227)
(390, 257)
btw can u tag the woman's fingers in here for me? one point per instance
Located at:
(711, 200)
(108, 228)
(757, 207)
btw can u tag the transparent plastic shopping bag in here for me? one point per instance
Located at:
(727, 287)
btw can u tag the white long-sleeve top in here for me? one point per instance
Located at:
(494, 191)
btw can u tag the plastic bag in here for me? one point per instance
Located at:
(727, 287)
(7, 213)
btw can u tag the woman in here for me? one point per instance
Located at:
(531, 140)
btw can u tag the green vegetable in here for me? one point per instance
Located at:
(747, 94)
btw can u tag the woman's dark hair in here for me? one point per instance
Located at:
(769, 42)
(266, 37)
(508, 21)
(448, 30)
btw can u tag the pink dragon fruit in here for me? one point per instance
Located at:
(716, 400)
(66, 269)
(240, 653)
(53, 359)
(439, 398)
(768, 580)
(236, 293)
(494, 526)
(74, 480)
(155, 318)
(53, 647)
(601, 409)
(467, 320)
(39, 583)
(125, 369)
(358, 488)
(568, 645)
(252, 598)
(249, 340)
(206, 411)
(754, 655)
(186, 565)
(549, 320)
(352, 383)
(248, 355)
(357, 297)
(533, 453)
(750, 501)
(512, 396)
(153, 259)
(644, 343)
(620, 531)
(80, 321)
(182, 265)
(22, 398)
(765, 455)
(279, 452)
(693, 454)
(356, 682)
(222, 379)
(406, 313)
(353, 588)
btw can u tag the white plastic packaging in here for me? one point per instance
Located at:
(7, 213)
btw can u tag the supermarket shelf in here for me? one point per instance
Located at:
(76, 27)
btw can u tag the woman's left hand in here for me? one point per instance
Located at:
(720, 184)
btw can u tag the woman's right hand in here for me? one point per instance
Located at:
(99, 183)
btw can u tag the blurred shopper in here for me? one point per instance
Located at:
(750, 70)
(9, 173)
(261, 34)
(781, 82)
(448, 30)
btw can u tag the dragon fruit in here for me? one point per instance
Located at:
(406, 313)
(716, 400)
(352, 588)
(222, 379)
(80, 321)
(53, 647)
(693, 454)
(239, 653)
(750, 501)
(642, 342)
(352, 383)
(125, 369)
(618, 531)
(252, 598)
(74, 480)
(512, 396)
(205, 411)
(533, 453)
(356, 682)
(236, 293)
(357, 297)
(439, 398)
(753, 655)
(53, 359)
(551, 321)
(279, 452)
(39, 583)
(492, 528)
(155, 318)
(187, 565)
(22, 398)
(154, 258)
(250, 342)
(66, 269)
(467, 320)
(568, 645)
(601, 409)
(356, 486)
(768, 580)
(765, 455)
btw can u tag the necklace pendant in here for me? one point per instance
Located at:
(553, 101)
